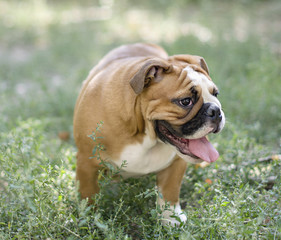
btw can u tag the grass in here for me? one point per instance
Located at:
(47, 49)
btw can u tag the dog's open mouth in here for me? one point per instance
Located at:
(196, 148)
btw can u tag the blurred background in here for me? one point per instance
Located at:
(47, 48)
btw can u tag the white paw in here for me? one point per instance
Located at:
(173, 215)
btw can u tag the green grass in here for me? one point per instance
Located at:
(46, 51)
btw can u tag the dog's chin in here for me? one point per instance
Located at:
(190, 159)
(194, 149)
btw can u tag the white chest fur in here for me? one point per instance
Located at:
(146, 157)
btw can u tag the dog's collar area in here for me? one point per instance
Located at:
(199, 148)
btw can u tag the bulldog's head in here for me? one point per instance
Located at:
(179, 101)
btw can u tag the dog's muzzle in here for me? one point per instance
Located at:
(190, 139)
(209, 114)
(213, 114)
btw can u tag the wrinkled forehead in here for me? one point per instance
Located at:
(198, 78)
(207, 85)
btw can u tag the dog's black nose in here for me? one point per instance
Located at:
(214, 113)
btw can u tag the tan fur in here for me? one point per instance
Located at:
(170, 186)
(127, 116)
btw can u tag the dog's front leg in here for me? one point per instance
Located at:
(169, 184)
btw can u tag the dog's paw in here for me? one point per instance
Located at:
(173, 216)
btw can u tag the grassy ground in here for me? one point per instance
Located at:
(47, 49)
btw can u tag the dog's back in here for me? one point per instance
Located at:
(134, 50)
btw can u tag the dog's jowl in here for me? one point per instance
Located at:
(156, 110)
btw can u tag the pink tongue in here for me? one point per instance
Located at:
(203, 149)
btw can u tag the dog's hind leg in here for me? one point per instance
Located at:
(87, 176)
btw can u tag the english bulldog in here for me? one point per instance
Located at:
(156, 110)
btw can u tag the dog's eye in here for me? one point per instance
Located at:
(185, 102)
(215, 93)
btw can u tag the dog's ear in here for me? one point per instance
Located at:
(193, 59)
(151, 70)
